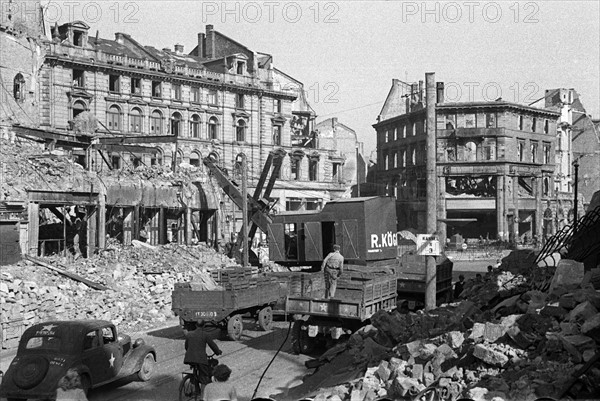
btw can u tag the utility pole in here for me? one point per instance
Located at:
(357, 173)
(430, 274)
(245, 240)
(576, 166)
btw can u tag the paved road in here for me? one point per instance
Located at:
(247, 358)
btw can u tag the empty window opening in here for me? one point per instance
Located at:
(156, 89)
(136, 86)
(78, 78)
(114, 83)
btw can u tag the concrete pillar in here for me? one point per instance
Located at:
(188, 226)
(539, 211)
(441, 210)
(101, 220)
(500, 208)
(162, 226)
(33, 211)
(516, 203)
(127, 225)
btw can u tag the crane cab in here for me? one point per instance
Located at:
(365, 229)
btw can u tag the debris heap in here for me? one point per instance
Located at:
(139, 282)
(516, 337)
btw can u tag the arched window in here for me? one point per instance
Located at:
(196, 159)
(176, 124)
(157, 157)
(179, 158)
(470, 151)
(213, 124)
(395, 188)
(113, 118)
(156, 123)
(240, 131)
(195, 126)
(78, 108)
(135, 120)
(19, 87)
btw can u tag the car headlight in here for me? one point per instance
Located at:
(139, 342)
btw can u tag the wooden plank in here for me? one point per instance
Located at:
(89, 283)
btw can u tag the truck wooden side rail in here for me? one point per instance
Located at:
(357, 298)
(411, 280)
(224, 308)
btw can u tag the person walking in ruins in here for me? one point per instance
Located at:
(333, 267)
(459, 286)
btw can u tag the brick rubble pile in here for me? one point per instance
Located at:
(507, 341)
(139, 281)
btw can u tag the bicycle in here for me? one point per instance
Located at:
(190, 387)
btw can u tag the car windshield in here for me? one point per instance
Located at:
(43, 342)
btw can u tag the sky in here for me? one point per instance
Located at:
(347, 52)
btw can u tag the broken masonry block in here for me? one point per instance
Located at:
(492, 332)
(477, 332)
(569, 273)
(582, 312)
(567, 301)
(591, 327)
(455, 339)
(417, 372)
(384, 371)
(569, 328)
(489, 356)
(554, 311)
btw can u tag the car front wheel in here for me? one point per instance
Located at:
(147, 369)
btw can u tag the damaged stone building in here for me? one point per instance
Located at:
(495, 163)
(577, 141)
(141, 120)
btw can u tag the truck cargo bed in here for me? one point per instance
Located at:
(356, 298)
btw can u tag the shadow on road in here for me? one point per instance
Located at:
(128, 390)
(172, 333)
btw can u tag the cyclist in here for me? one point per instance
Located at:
(195, 351)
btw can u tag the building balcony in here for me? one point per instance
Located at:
(97, 57)
(472, 132)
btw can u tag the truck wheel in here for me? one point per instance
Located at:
(265, 318)
(235, 327)
(301, 342)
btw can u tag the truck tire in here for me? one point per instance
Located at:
(265, 318)
(301, 342)
(235, 327)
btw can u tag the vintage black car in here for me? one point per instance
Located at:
(93, 347)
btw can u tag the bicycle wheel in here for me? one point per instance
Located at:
(189, 389)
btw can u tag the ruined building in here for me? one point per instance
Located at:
(142, 120)
(578, 140)
(495, 163)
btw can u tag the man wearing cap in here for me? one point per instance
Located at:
(333, 267)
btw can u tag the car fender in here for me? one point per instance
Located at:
(132, 362)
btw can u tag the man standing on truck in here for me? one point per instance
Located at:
(333, 267)
(195, 351)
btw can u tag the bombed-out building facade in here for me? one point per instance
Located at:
(495, 164)
(115, 105)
